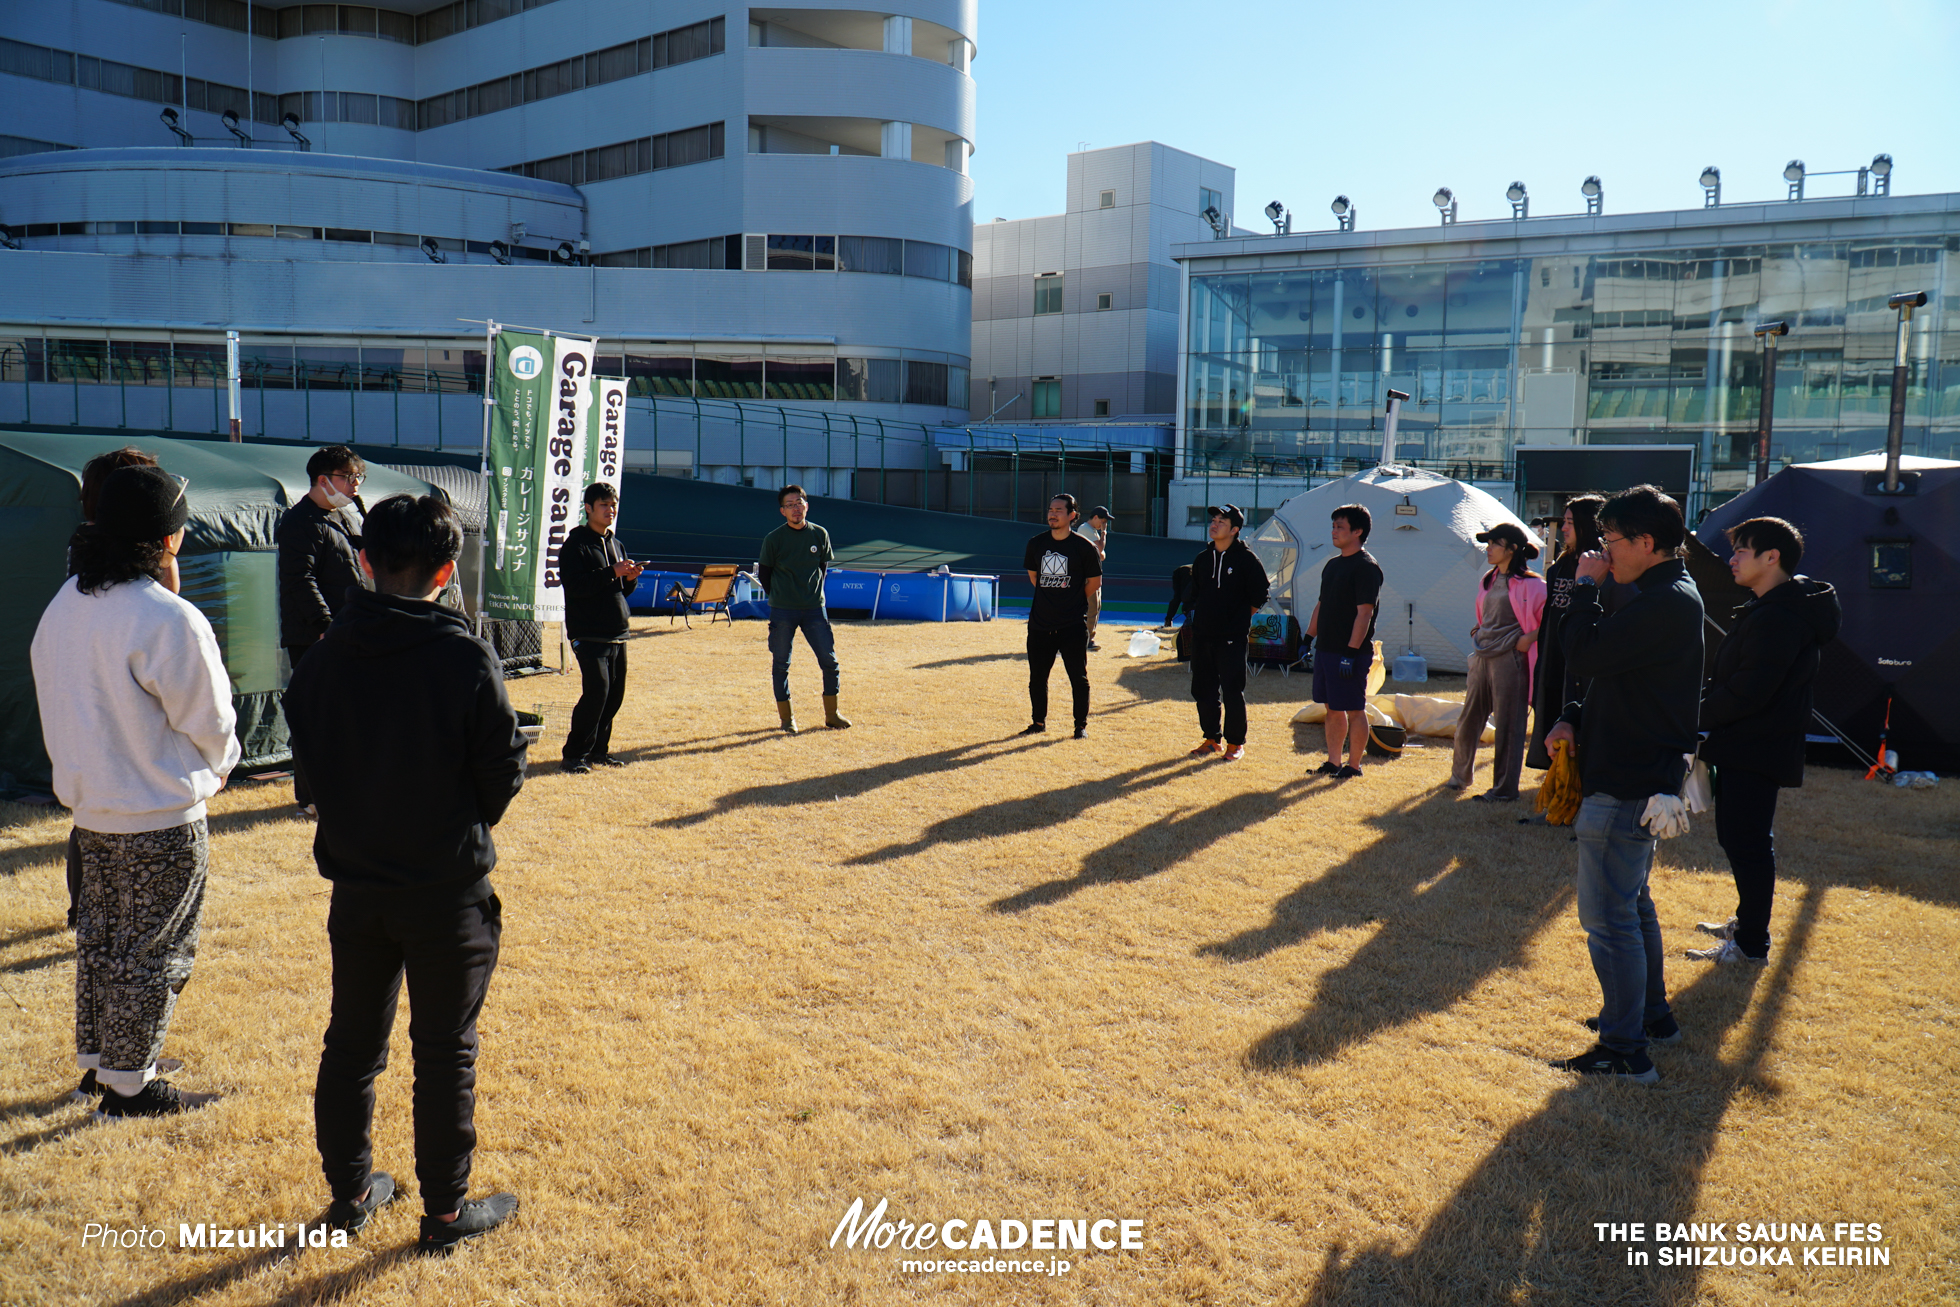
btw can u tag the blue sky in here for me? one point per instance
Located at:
(1385, 100)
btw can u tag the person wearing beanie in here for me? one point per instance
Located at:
(1504, 649)
(1228, 585)
(137, 715)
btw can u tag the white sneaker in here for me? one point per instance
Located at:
(1719, 929)
(1724, 953)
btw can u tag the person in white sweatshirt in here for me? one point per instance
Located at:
(137, 716)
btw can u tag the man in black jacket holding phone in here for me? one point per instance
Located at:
(406, 806)
(1756, 711)
(1228, 585)
(597, 576)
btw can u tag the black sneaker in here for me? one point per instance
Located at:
(1663, 1030)
(577, 768)
(1035, 728)
(351, 1214)
(1600, 1061)
(158, 1098)
(1082, 732)
(1328, 768)
(91, 1088)
(1347, 773)
(477, 1216)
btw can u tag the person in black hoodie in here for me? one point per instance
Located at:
(1633, 734)
(319, 541)
(1756, 710)
(1228, 585)
(406, 808)
(1552, 687)
(597, 576)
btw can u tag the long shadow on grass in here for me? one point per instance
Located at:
(37, 964)
(1449, 916)
(1160, 846)
(1520, 1227)
(859, 780)
(321, 1288)
(691, 748)
(33, 932)
(973, 660)
(1019, 816)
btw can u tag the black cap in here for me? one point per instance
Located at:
(1099, 511)
(1230, 512)
(1511, 534)
(142, 503)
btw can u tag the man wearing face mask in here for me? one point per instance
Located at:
(319, 542)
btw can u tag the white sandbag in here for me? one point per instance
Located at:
(1423, 715)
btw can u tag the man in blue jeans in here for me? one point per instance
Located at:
(791, 568)
(1632, 737)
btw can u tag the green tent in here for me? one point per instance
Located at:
(229, 566)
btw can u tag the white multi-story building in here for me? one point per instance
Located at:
(766, 204)
(1075, 314)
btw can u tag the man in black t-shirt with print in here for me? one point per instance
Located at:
(1343, 632)
(1065, 571)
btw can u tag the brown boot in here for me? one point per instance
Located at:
(788, 715)
(831, 717)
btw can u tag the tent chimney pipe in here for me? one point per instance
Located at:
(1395, 398)
(1767, 332)
(231, 381)
(1895, 430)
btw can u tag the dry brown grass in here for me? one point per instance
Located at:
(1296, 1028)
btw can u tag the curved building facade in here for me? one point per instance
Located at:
(762, 204)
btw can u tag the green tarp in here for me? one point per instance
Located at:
(229, 566)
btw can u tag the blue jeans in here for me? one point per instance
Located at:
(784, 623)
(1615, 855)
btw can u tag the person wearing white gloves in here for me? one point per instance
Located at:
(1632, 736)
(137, 714)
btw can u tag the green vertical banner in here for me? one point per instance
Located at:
(541, 442)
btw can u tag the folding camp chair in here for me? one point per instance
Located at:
(710, 591)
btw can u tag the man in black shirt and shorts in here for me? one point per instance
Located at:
(1064, 570)
(1342, 629)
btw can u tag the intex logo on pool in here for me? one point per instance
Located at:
(525, 363)
(1895, 662)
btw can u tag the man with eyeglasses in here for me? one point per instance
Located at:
(319, 542)
(1642, 669)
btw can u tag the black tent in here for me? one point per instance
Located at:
(1895, 560)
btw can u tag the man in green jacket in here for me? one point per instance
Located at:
(791, 567)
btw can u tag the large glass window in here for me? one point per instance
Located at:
(1047, 398)
(803, 374)
(871, 254)
(925, 383)
(728, 374)
(663, 372)
(870, 381)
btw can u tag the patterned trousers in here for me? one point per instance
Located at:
(136, 926)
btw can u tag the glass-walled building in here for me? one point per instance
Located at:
(1635, 329)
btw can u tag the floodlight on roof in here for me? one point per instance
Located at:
(1520, 200)
(1344, 212)
(433, 251)
(1595, 194)
(230, 119)
(169, 118)
(1882, 173)
(1276, 213)
(1793, 173)
(291, 123)
(1215, 220)
(1711, 187)
(1445, 199)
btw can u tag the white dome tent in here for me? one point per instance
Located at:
(1424, 538)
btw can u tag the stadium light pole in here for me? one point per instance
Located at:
(1895, 428)
(1767, 332)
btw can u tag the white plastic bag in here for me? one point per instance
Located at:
(1144, 644)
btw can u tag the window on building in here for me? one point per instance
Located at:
(1105, 300)
(1047, 399)
(1102, 408)
(1210, 199)
(1048, 293)
(1107, 200)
